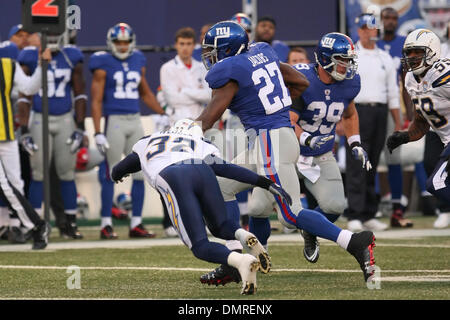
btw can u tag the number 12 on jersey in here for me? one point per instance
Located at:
(268, 72)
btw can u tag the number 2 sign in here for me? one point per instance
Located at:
(44, 15)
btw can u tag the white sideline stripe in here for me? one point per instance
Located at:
(204, 269)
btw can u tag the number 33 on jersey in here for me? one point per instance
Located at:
(123, 77)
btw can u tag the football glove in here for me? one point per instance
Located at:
(161, 122)
(75, 140)
(314, 142)
(102, 143)
(274, 188)
(359, 153)
(396, 139)
(27, 142)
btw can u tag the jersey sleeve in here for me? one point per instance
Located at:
(355, 87)
(141, 58)
(98, 61)
(75, 54)
(28, 57)
(221, 73)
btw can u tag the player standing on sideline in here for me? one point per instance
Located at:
(329, 98)
(428, 84)
(250, 80)
(117, 85)
(18, 39)
(265, 32)
(66, 131)
(11, 184)
(182, 166)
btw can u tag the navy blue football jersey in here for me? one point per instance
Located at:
(9, 49)
(59, 75)
(263, 101)
(321, 106)
(121, 95)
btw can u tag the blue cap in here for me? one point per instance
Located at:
(14, 30)
(366, 19)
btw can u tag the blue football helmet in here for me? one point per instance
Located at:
(331, 46)
(224, 39)
(121, 32)
(244, 20)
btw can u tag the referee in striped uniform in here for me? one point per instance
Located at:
(11, 185)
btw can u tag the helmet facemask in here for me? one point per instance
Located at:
(417, 64)
(118, 53)
(209, 55)
(350, 66)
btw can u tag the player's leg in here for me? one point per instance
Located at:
(115, 134)
(134, 133)
(281, 169)
(439, 181)
(65, 162)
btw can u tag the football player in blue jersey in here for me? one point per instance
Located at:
(66, 129)
(329, 98)
(251, 81)
(117, 85)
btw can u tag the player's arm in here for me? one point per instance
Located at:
(220, 100)
(97, 92)
(147, 95)
(130, 164)
(80, 97)
(350, 121)
(294, 80)
(231, 171)
(24, 104)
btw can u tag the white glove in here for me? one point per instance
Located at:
(359, 153)
(161, 122)
(75, 140)
(102, 143)
(308, 140)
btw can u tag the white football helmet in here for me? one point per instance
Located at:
(187, 126)
(421, 39)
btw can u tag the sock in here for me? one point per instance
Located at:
(234, 215)
(36, 193)
(137, 197)
(260, 227)
(315, 223)
(421, 177)
(395, 181)
(4, 216)
(107, 192)
(242, 235)
(330, 216)
(234, 259)
(69, 195)
(106, 221)
(344, 238)
(135, 221)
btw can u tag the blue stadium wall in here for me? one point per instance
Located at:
(156, 21)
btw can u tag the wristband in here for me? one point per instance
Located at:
(305, 138)
(354, 138)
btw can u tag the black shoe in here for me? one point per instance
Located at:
(72, 231)
(40, 236)
(15, 235)
(361, 247)
(223, 274)
(311, 247)
(3, 233)
(107, 232)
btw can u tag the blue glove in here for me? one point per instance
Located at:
(359, 153)
(75, 140)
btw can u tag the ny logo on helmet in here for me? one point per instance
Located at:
(328, 42)
(223, 32)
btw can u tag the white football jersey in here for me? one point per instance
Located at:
(431, 97)
(162, 149)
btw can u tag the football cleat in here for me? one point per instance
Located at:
(118, 213)
(223, 274)
(398, 221)
(361, 247)
(72, 231)
(247, 269)
(257, 250)
(15, 235)
(107, 232)
(40, 236)
(311, 247)
(140, 232)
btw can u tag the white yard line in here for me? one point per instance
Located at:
(273, 240)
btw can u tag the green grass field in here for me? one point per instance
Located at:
(411, 268)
